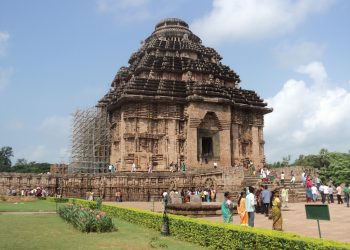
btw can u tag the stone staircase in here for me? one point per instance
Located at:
(296, 192)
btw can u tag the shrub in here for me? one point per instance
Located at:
(218, 235)
(58, 200)
(85, 219)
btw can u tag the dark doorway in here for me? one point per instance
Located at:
(207, 146)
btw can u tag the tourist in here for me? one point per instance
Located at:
(213, 195)
(249, 205)
(227, 208)
(330, 190)
(133, 167)
(116, 196)
(282, 178)
(110, 168)
(150, 168)
(264, 176)
(91, 196)
(326, 193)
(266, 198)
(339, 191)
(314, 192)
(318, 182)
(215, 164)
(242, 212)
(292, 180)
(303, 178)
(259, 205)
(284, 195)
(346, 193)
(183, 166)
(276, 212)
(323, 197)
(171, 166)
(308, 189)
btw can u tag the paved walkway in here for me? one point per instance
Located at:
(294, 220)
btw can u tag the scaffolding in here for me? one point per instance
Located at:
(90, 141)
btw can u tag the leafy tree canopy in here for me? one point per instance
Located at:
(21, 165)
(332, 166)
(5, 158)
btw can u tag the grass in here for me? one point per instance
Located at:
(30, 206)
(49, 231)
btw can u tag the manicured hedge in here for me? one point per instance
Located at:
(58, 200)
(85, 219)
(218, 235)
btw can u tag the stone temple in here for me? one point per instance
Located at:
(176, 101)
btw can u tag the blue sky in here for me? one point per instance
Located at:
(57, 56)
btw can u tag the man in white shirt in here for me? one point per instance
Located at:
(323, 197)
(330, 190)
(249, 205)
(133, 167)
(326, 193)
(282, 178)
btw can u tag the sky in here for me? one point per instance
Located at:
(58, 56)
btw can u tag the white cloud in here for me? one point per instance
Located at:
(308, 116)
(5, 75)
(4, 37)
(233, 20)
(56, 126)
(315, 71)
(291, 55)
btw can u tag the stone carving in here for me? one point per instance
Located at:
(161, 94)
(189, 76)
(151, 75)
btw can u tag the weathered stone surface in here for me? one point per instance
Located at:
(176, 102)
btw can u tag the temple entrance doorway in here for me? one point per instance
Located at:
(207, 146)
(208, 134)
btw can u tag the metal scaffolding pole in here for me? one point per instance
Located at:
(90, 141)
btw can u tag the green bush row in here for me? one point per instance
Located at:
(58, 200)
(218, 235)
(85, 219)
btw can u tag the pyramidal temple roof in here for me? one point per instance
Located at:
(172, 64)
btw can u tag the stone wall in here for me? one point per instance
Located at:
(134, 186)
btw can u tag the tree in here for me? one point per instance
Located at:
(21, 162)
(5, 158)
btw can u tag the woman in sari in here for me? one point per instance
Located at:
(276, 211)
(227, 208)
(242, 212)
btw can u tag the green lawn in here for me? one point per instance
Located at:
(49, 231)
(31, 206)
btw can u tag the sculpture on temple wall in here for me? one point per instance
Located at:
(210, 79)
(151, 75)
(189, 76)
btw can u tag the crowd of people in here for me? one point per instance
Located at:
(173, 167)
(251, 202)
(37, 192)
(316, 190)
(184, 196)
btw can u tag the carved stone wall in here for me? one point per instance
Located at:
(134, 187)
(176, 100)
(147, 133)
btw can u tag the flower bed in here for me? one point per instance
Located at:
(85, 219)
